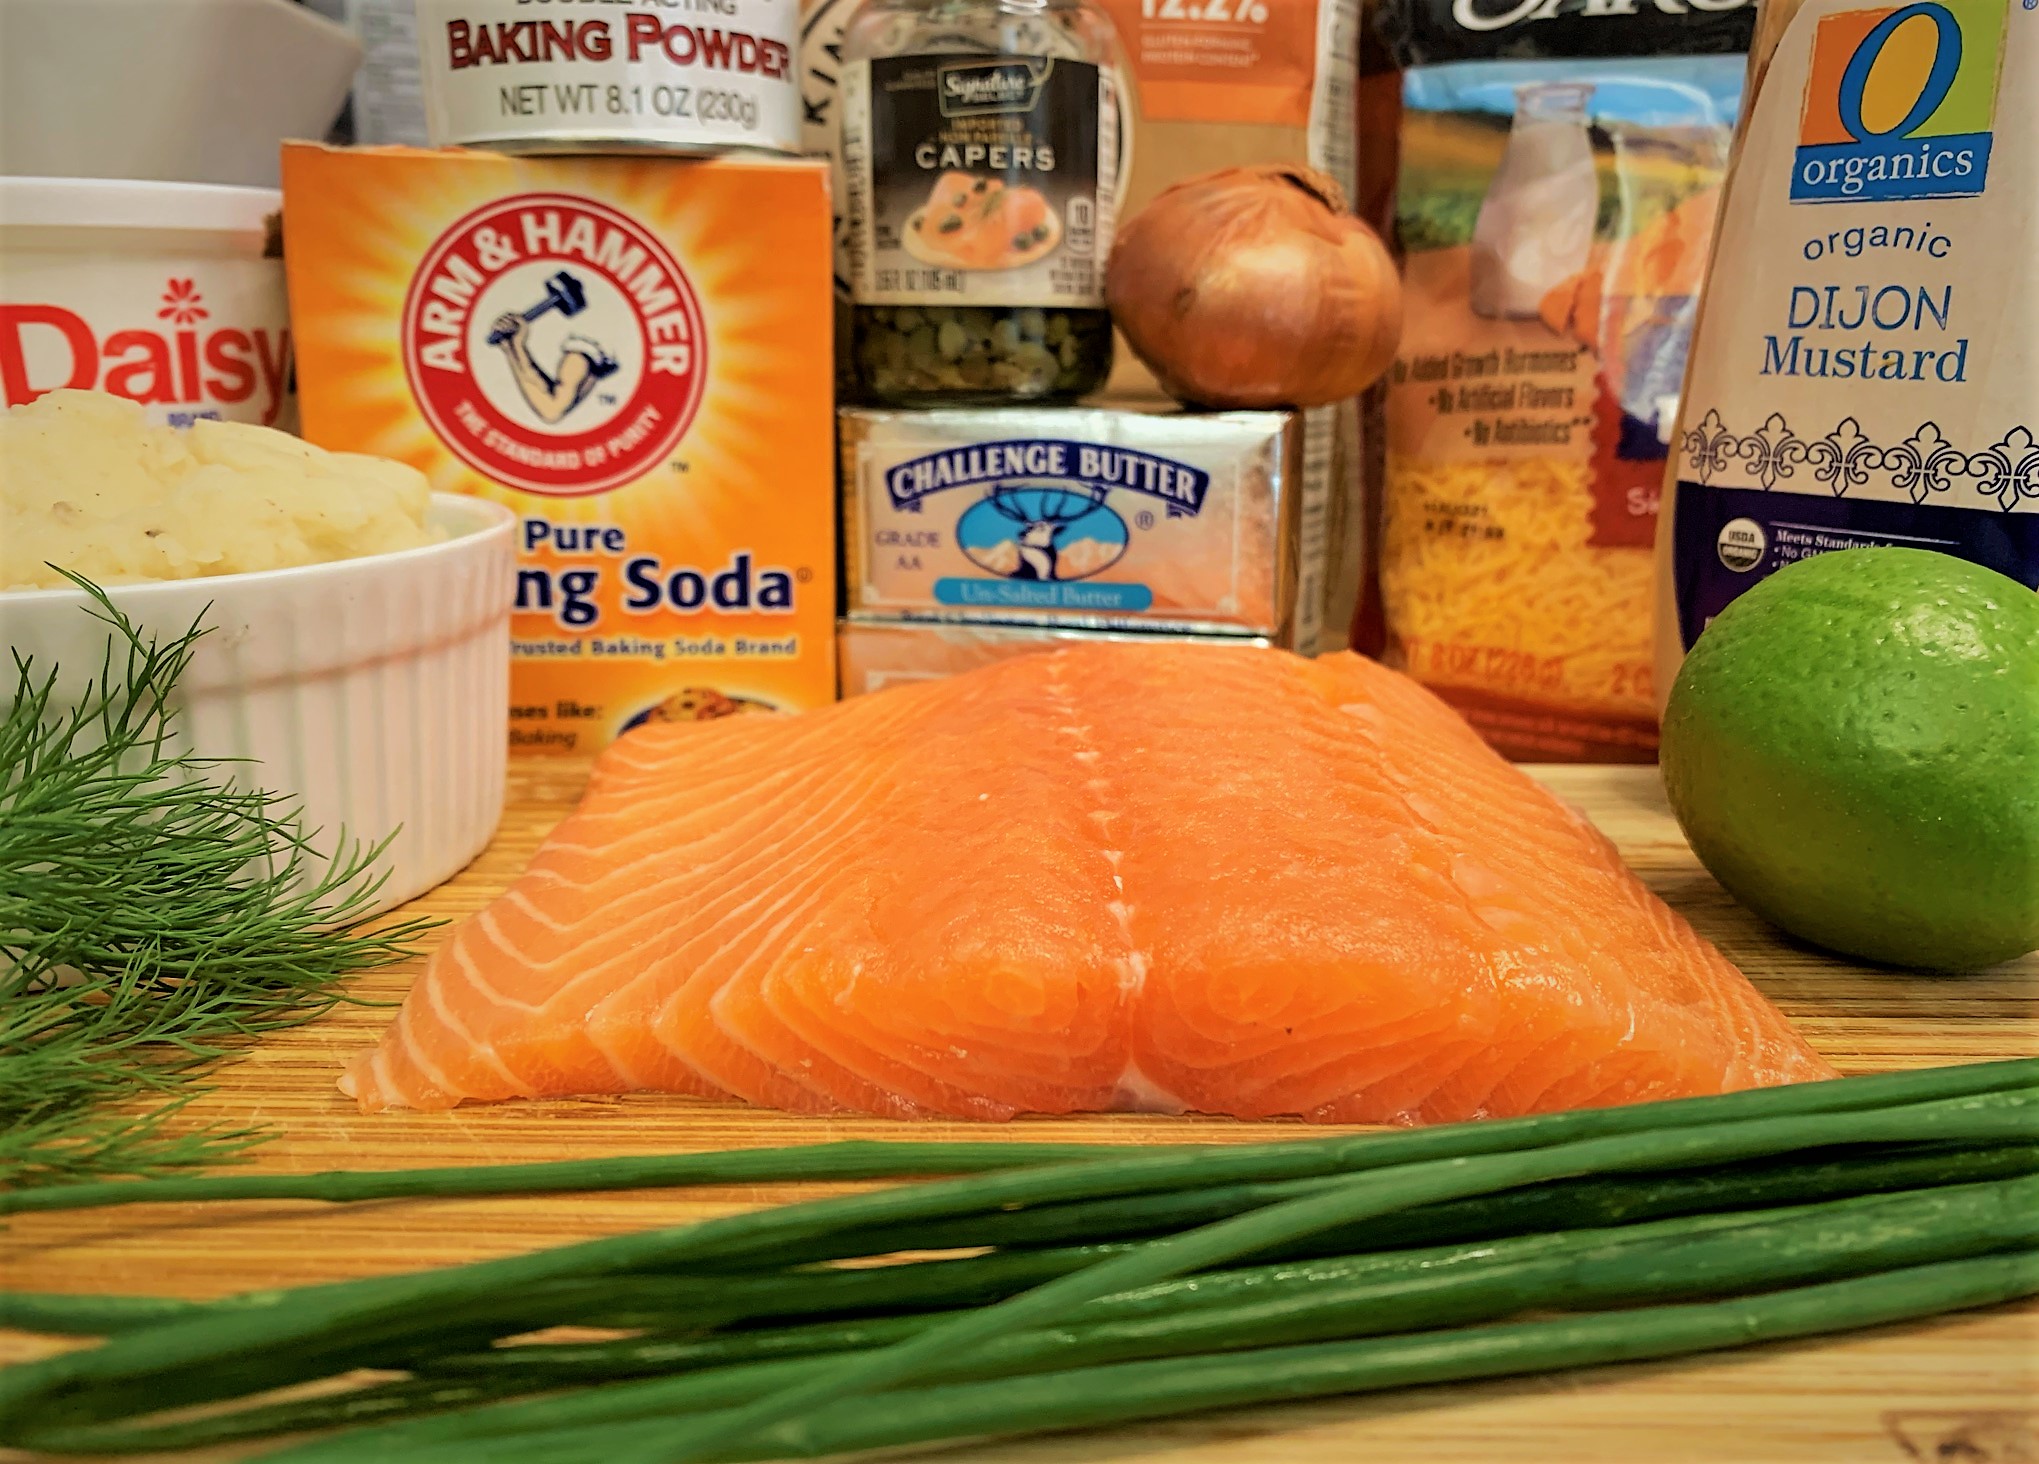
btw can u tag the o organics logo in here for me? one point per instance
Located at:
(555, 345)
(1900, 102)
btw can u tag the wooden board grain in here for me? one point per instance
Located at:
(1963, 1388)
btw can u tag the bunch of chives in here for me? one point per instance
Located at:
(1105, 1286)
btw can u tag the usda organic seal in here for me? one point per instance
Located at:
(1741, 544)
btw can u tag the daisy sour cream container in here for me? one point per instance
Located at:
(559, 77)
(170, 294)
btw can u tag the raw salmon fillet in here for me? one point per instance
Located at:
(1162, 877)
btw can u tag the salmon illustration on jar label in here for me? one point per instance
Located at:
(508, 74)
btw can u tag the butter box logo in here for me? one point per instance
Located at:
(1044, 521)
(1900, 103)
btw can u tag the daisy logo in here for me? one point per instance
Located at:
(181, 303)
(555, 345)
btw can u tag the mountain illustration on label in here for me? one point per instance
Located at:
(1034, 532)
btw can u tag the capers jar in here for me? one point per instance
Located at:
(980, 153)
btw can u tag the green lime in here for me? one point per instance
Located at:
(1853, 749)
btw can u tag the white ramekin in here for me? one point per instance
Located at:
(374, 691)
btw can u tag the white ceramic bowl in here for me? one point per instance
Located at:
(375, 691)
(195, 91)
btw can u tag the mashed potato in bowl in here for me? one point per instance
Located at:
(88, 484)
(356, 649)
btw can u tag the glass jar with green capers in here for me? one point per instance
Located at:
(981, 159)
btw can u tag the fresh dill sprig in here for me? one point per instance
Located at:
(155, 915)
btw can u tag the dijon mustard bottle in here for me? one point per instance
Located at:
(1865, 363)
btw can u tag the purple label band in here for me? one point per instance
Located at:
(1728, 539)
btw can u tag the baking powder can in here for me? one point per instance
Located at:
(688, 76)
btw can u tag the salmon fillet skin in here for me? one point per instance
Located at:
(1160, 877)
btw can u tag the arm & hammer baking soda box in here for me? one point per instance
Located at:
(634, 356)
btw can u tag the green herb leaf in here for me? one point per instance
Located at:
(155, 914)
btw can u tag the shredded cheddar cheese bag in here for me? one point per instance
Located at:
(1556, 210)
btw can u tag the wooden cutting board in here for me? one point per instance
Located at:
(1963, 1389)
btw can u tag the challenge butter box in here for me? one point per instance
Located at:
(634, 355)
(1091, 518)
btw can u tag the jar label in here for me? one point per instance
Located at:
(975, 179)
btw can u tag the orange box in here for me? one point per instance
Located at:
(634, 355)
